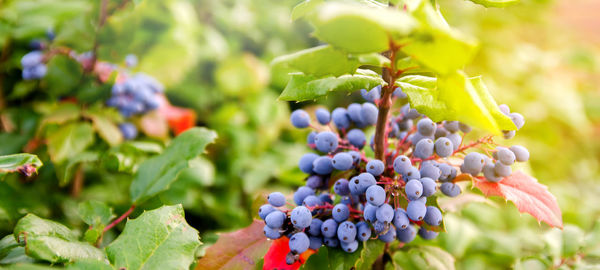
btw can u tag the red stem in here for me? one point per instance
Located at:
(119, 219)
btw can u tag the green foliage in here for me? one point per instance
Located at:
(167, 241)
(16, 162)
(335, 258)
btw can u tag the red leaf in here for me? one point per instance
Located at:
(275, 257)
(527, 194)
(179, 119)
(241, 249)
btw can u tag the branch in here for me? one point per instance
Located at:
(119, 219)
(390, 75)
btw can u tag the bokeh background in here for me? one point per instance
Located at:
(541, 57)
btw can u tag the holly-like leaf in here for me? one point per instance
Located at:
(495, 3)
(53, 242)
(360, 28)
(436, 45)
(65, 171)
(69, 141)
(527, 194)
(319, 61)
(241, 249)
(26, 164)
(158, 239)
(455, 97)
(306, 87)
(157, 173)
(335, 258)
(95, 212)
(423, 257)
(90, 265)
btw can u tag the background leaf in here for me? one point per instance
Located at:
(167, 241)
(70, 140)
(17, 162)
(319, 61)
(495, 3)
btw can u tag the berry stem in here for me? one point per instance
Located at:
(119, 219)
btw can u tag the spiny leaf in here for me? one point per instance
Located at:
(359, 28)
(157, 173)
(26, 164)
(237, 250)
(527, 194)
(305, 87)
(158, 239)
(319, 61)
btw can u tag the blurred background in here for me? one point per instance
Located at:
(541, 57)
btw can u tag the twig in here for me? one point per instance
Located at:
(119, 219)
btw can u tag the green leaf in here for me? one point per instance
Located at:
(66, 171)
(360, 29)
(61, 113)
(436, 45)
(94, 213)
(371, 59)
(53, 242)
(455, 97)
(158, 239)
(90, 265)
(69, 141)
(157, 173)
(304, 8)
(305, 87)
(424, 257)
(107, 129)
(7, 244)
(335, 258)
(495, 3)
(319, 61)
(64, 74)
(24, 163)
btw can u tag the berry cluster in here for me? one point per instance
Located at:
(33, 65)
(136, 95)
(385, 199)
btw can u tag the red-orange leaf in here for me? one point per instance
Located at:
(275, 257)
(241, 249)
(527, 194)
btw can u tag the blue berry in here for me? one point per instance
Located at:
(400, 220)
(372, 95)
(354, 112)
(427, 235)
(275, 219)
(325, 198)
(311, 201)
(346, 232)
(323, 116)
(311, 137)
(356, 137)
(440, 132)
(424, 149)
(322, 165)
(451, 126)
(128, 130)
(341, 187)
(517, 119)
(315, 227)
(375, 195)
(433, 216)
(413, 173)
(416, 210)
(299, 243)
(502, 170)
(399, 93)
(445, 172)
(375, 167)
(426, 127)
(349, 247)
(490, 173)
(306, 162)
(369, 113)
(413, 189)
(342, 161)
(464, 127)
(428, 186)
(131, 60)
(356, 157)
(370, 212)
(340, 118)
(505, 156)
(265, 210)
(521, 153)
(271, 233)
(276, 199)
(329, 228)
(406, 235)
(315, 242)
(314, 181)
(300, 118)
(340, 212)
(443, 147)
(450, 189)
(301, 217)
(473, 163)
(380, 227)
(359, 184)
(32, 58)
(431, 171)
(456, 140)
(402, 164)
(385, 213)
(388, 237)
(363, 231)
(326, 141)
(301, 194)
(331, 242)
